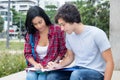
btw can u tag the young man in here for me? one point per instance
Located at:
(87, 45)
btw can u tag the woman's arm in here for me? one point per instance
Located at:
(28, 53)
(35, 64)
(61, 44)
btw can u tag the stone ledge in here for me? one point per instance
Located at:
(16, 76)
(116, 75)
(22, 75)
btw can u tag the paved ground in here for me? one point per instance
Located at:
(22, 75)
(17, 76)
(116, 75)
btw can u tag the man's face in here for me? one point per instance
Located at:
(65, 26)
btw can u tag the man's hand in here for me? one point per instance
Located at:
(53, 66)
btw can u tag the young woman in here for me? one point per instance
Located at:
(49, 42)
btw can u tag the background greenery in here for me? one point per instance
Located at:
(11, 63)
(93, 12)
(1, 23)
(14, 45)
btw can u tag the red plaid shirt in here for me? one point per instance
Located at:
(56, 46)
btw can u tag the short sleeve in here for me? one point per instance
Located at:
(67, 43)
(101, 40)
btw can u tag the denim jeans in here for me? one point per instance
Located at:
(80, 73)
(58, 75)
(86, 74)
(35, 76)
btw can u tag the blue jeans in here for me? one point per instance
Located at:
(79, 74)
(35, 76)
(58, 75)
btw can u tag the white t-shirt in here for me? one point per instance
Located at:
(42, 51)
(88, 47)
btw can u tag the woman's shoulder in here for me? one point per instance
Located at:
(55, 28)
(27, 37)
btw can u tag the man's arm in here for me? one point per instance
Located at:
(67, 60)
(107, 55)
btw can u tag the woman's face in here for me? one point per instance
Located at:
(39, 23)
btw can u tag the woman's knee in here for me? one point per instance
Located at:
(42, 76)
(31, 76)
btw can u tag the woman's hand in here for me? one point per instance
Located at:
(38, 66)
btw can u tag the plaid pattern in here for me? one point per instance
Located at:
(56, 46)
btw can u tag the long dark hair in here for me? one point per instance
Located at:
(31, 14)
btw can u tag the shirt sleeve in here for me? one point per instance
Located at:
(62, 47)
(67, 43)
(101, 40)
(27, 47)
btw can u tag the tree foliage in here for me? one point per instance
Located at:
(95, 12)
(51, 11)
(18, 18)
(51, 7)
(1, 23)
(51, 14)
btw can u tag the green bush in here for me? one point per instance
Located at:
(12, 45)
(12, 59)
(11, 63)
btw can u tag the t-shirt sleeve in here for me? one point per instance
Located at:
(67, 43)
(101, 40)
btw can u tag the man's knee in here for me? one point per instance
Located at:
(75, 75)
(86, 75)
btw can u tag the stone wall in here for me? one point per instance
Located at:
(115, 31)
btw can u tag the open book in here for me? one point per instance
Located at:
(67, 68)
(45, 70)
(34, 69)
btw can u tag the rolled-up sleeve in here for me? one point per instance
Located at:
(62, 47)
(27, 48)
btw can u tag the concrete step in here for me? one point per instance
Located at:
(116, 75)
(16, 76)
(22, 76)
